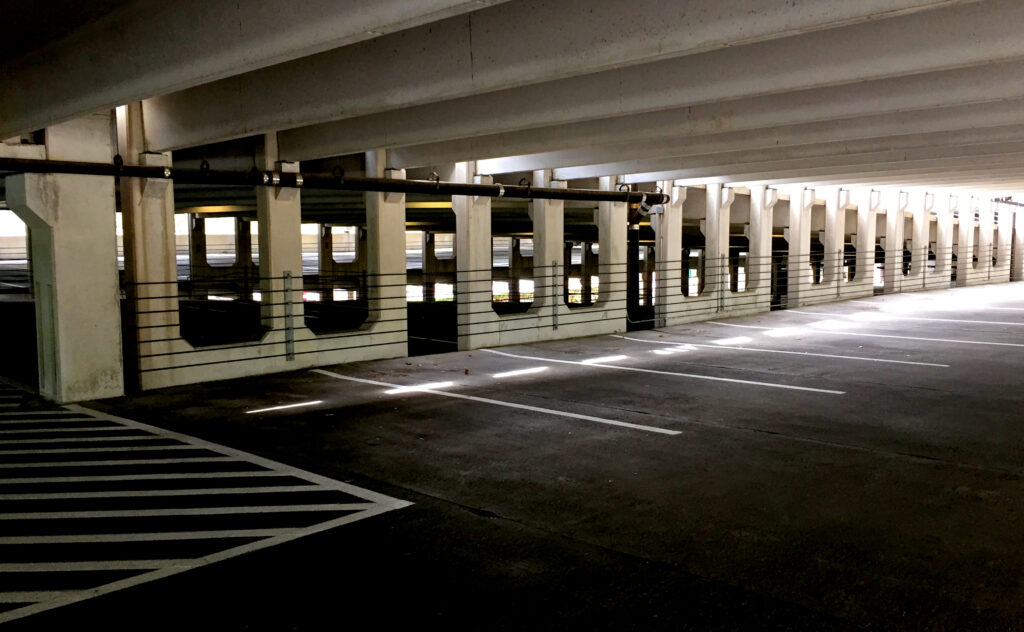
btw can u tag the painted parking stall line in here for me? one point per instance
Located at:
(867, 335)
(92, 493)
(397, 388)
(695, 376)
(802, 353)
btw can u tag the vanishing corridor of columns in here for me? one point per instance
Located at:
(711, 251)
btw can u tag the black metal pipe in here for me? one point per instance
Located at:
(331, 181)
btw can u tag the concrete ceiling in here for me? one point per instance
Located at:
(876, 93)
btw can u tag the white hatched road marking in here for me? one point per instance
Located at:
(369, 503)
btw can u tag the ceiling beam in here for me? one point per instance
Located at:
(972, 35)
(975, 87)
(959, 125)
(796, 173)
(520, 44)
(152, 47)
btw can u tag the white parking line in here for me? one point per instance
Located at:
(102, 565)
(902, 317)
(858, 333)
(495, 402)
(671, 373)
(803, 353)
(130, 448)
(184, 511)
(138, 477)
(197, 459)
(142, 493)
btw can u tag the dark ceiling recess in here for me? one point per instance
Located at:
(32, 25)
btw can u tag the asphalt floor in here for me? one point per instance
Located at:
(848, 466)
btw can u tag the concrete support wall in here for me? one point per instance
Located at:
(895, 221)
(668, 240)
(473, 263)
(74, 265)
(1017, 265)
(798, 235)
(759, 234)
(940, 278)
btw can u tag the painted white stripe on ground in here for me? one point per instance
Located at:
(92, 538)
(129, 448)
(375, 504)
(82, 439)
(59, 411)
(147, 493)
(102, 565)
(197, 459)
(25, 596)
(183, 511)
(81, 429)
(902, 317)
(858, 333)
(803, 353)
(272, 537)
(42, 420)
(671, 373)
(484, 400)
(139, 477)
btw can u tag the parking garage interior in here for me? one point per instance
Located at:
(498, 314)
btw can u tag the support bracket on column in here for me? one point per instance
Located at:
(155, 187)
(287, 194)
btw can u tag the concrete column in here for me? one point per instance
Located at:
(867, 202)
(1017, 260)
(1001, 272)
(549, 266)
(986, 225)
(943, 240)
(385, 245)
(894, 223)
(918, 204)
(836, 201)
(278, 211)
(74, 265)
(718, 203)
(759, 262)
(965, 242)
(151, 270)
(668, 247)
(611, 226)
(798, 235)
(473, 262)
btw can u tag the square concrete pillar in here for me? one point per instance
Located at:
(611, 227)
(943, 240)
(801, 201)
(919, 204)
(759, 266)
(1017, 260)
(668, 248)
(718, 204)
(836, 201)
(548, 247)
(965, 243)
(473, 263)
(385, 248)
(279, 212)
(151, 273)
(894, 204)
(867, 202)
(74, 265)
